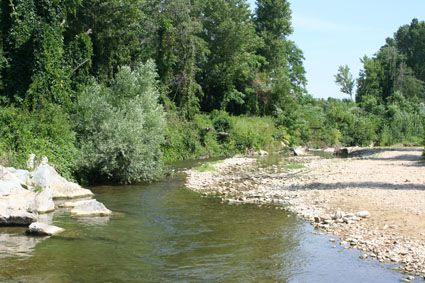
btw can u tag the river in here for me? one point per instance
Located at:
(163, 232)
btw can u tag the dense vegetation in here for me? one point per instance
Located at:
(109, 89)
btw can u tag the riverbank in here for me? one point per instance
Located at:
(373, 202)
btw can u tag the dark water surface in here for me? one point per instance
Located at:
(165, 233)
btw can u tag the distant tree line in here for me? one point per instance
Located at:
(109, 89)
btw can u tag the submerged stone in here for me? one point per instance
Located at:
(41, 229)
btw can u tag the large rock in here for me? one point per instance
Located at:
(299, 151)
(41, 229)
(44, 200)
(22, 175)
(89, 208)
(17, 205)
(45, 176)
(15, 216)
(17, 197)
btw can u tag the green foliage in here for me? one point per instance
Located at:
(232, 63)
(295, 166)
(217, 134)
(345, 80)
(46, 132)
(115, 30)
(120, 128)
(206, 167)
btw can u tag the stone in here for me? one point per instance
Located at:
(90, 208)
(299, 151)
(42, 229)
(44, 200)
(31, 162)
(22, 175)
(363, 214)
(15, 216)
(17, 205)
(338, 215)
(46, 176)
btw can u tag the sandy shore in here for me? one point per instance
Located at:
(375, 203)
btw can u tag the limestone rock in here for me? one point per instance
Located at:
(299, 151)
(89, 208)
(22, 175)
(363, 214)
(41, 229)
(44, 200)
(46, 176)
(13, 216)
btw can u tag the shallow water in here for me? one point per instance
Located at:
(165, 233)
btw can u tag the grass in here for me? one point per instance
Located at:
(295, 166)
(207, 167)
(38, 189)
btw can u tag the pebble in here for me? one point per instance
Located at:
(363, 214)
(258, 187)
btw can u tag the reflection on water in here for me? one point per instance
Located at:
(164, 233)
(13, 243)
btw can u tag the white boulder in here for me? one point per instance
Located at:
(89, 208)
(41, 229)
(299, 151)
(45, 176)
(363, 214)
(44, 200)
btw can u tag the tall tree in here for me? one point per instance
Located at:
(173, 38)
(344, 79)
(283, 63)
(232, 64)
(114, 28)
(410, 41)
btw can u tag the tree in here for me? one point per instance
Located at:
(283, 61)
(173, 38)
(232, 63)
(345, 80)
(115, 30)
(120, 128)
(410, 41)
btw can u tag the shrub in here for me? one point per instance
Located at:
(46, 132)
(120, 128)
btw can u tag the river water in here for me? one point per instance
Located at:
(163, 232)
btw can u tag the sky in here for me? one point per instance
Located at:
(340, 32)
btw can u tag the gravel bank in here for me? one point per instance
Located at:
(374, 202)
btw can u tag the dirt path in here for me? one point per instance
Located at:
(389, 185)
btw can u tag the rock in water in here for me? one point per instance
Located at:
(41, 229)
(15, 216)
(45, 176)
(16, 203)
(363, 214)
(90, 208)
(44, 200)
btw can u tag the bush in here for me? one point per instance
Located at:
(46, 132)
(249, 133)
(120, 128)
(216, 135)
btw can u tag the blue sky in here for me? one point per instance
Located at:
(338, 32)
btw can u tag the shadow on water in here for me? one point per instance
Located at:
(168, 234)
